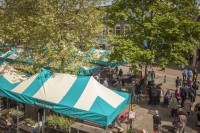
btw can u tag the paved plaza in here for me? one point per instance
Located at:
(144, 112)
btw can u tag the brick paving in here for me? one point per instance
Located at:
(144, 112)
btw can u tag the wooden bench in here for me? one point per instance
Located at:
(87, 128)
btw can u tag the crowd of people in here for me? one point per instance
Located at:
(179, 101)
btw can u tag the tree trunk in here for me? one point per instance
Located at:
(144, 87)
(194, 58)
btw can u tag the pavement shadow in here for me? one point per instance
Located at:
(167, 129)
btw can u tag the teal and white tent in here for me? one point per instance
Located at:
(81, 97)
(16, 53)
(11, 75)
(11, 55)
(101, 58)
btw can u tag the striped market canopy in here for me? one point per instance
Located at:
(16, 53)
(10, 74)
(81, 97)
(102, 59)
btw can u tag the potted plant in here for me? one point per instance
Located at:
(13, 112)
(30, 122)
(52, 121)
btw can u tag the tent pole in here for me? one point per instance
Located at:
(44, 115)
(7, 103)
(17, 117)
(70, 128)
(42, 124)
(106, 129)
(38, 122)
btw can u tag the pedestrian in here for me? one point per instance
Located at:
(195, 86)
(137, 89)
(105, 82)
(183, 94)
(150, 94)
(177, 82)
(180, 123)
(178, 94)
(192, 94)
(190, 74)
(118, 123)
(185, 73)
(187, 105)
(120, 72)
(197, 110)
(195, 75)
(174, 106)
(9, 124)
(188, 82)
(160, 93)
(167, 97)
(154, 93)
(156, 122)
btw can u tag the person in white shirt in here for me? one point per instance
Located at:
(105, 82)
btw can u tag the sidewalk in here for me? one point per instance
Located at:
(144, 112)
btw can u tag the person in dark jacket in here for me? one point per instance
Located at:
(183, 95)
(156, 122)
(120, 72)
(150, 96)
(154, 94)
(177, 82)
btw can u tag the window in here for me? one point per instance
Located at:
(104, 32)
(126, 28)
(110, 31)
(117, 30)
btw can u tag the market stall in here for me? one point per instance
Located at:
(80, 97)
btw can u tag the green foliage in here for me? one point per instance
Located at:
(52, 29)
(134, 131)
(60, 122)
(30, 121)
(13, 112)
(169, 27)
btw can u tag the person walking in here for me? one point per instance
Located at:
(150, 94)
(195, 86)
(190, 74)
(154, 93)
(192, 94)
(156, 122)
(185, 73)
(197, 110)
(118, 123)
(187, 105)
(177, 82)
(105, 82)
(167, 97)
(160, 93)
(195, 75)
(189, 82)
(120, 72)
(180, 123)
(174, 106)
(9, 123)
(183, 95)
(178, 94)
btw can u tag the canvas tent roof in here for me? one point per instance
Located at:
(101, 55)
(77, 96)
(16, 53)
(10, 74)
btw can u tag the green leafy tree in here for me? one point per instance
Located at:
(162, 32)
(53, 29)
